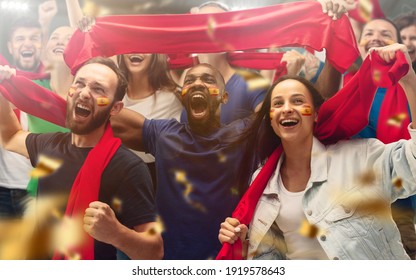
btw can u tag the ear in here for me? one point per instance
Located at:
(116, 108)
(224, 97)
(315, 116)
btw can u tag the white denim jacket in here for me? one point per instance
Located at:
(347, 179)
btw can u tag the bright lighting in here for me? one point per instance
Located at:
(11, 5)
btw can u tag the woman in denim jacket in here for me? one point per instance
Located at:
(327, 202)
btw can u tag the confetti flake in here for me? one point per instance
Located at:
(397, 182)
(234, 191)
(158, 228)
(222, 158)
(180, 176)
(308, 230)
(211, 27)
(367, 178)
(397, 120)
(116, 204)
(45, 166)
(376, 76)
(257, 83)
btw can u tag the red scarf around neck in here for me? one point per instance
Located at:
(87, 185)
(340, 117)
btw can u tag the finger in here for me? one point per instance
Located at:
(88, 220)
(243, 229)
(90, 212)
(227, 236)
(232, 221)
(329, 7)
(96, 204)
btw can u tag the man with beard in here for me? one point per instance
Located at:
(388, 113)
(195, 166)
(104, 182)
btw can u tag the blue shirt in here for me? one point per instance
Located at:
(196, 190)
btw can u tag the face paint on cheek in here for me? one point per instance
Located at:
(214, 91)
(306, 110)
(363, 42)
(388, 41)
(71, 91)
(184, 91)
(103, 101)
(271, 113)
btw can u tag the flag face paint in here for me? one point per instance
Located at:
(71, 91)
(306, 110)
(271, 113)
(184, 91)
(214, 91)
(103, 101)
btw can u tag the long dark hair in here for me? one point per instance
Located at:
(259, 139)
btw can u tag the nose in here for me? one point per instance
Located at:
(85, 94)
(287, 108)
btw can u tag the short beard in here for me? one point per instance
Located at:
(97, 121)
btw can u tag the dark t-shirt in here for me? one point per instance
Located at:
(125, 178)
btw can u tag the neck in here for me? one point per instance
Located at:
(296, 167)
(88, 140)
(206, 128)
(61, 79)
(139, 87)
(220, 62)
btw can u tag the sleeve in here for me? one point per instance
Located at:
(33, 145)
(257, 96)
(152, 131)
(396, 162)
(137, 194)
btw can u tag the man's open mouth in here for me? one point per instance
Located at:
(27, 54)
(198, 104)
(82, 110)
(136, 58)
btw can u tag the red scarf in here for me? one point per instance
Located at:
(394, 102)
(39, 74)
(340, 117)
(87, 186)
(299, 24)
(34, 99)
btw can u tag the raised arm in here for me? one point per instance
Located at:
(408, 82)
(13, 138)
(75, 13)
(128, 126)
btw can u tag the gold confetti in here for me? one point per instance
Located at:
(367, 178)
(234, 191)
(180, 176)
(257, 83)
(222, 158)
(365, 9)
(158, 228)
(198, 206)
(188, 190)
(103, 101)
(45, 166)
(116, 204)
(211, 27)
(68, 234)
(397, 182)
(397, 120)
(308, 230)
(376, 76)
